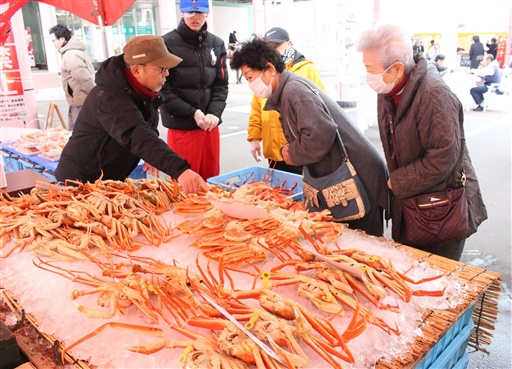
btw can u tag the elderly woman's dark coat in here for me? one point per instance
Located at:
(429, 133)
(311, 130)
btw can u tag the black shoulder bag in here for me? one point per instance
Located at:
(341, 192)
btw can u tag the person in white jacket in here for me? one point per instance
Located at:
(77, 72)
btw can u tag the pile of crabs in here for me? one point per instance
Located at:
(105, 222)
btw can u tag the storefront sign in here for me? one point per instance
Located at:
(465, 61)
(500, 52)
(144, 30)
(125, 30)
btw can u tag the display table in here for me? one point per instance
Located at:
(23, 181)
(429, 329)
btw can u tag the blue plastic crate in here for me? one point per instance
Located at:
(448, 348)
(25, 164)
(138, 173)
(455, 350)
(463, 362)
(11, 162)
(258, 174)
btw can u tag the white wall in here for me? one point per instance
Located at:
(229, 18)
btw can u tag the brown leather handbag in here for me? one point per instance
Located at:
(435, 218)
(432, 219)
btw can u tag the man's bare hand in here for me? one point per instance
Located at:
(150, 170)
(191, 182)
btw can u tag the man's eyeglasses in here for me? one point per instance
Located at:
(192, 14)
(161, 70)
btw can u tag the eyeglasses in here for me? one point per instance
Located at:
(161, 70)
(192, 14)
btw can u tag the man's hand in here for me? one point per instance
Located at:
(285, 152)
(256, 150)
(150, 170)
(211, 121)
(191, 182)
(389, 184)
(199, 117)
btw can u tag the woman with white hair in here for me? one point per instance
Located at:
(421, 129)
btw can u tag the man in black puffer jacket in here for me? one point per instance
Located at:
(195, 92)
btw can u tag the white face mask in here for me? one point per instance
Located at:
(376, 81)
(260, 89)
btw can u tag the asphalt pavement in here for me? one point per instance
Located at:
(488, 136)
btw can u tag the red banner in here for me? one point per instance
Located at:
(502, 49)
(109, 10)
(5, 17)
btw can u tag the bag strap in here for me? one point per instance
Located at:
(340, 141)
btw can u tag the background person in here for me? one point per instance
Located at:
(436, 65)
(233, 43)
(196, 91)
(310, 129)
(427, 120)
(433, 50)
(475, 50)
(490, 72)
(418, 47)
(119, 120)
(492, 47)
(77, 72)
(264, 125)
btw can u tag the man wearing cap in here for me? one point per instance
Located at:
(196, 91)
(118, 122)
(264, 125)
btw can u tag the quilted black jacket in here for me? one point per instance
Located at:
(200, 81)
(114, 130)
(429, 129)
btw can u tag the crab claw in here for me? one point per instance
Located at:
(292, 360)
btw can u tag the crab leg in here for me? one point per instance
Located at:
(137, 328)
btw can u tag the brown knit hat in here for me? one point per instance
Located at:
(149, 49)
